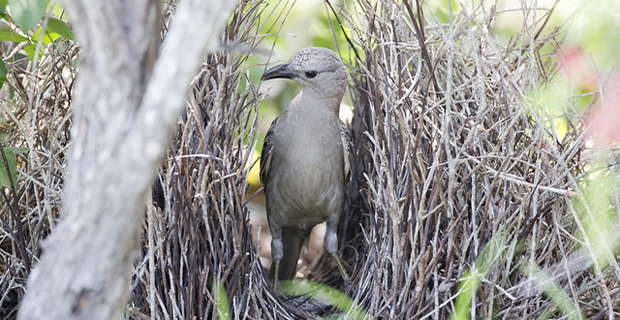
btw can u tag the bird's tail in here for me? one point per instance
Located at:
(293, 243)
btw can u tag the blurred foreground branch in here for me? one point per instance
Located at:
(123, 116)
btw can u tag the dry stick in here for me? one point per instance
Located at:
(151, 247)
(14, 208)
(419, 26)
(346, 36)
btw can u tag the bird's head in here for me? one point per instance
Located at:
(319, 70)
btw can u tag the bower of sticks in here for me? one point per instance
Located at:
(455, 170)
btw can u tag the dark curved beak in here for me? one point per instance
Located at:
(280, 71)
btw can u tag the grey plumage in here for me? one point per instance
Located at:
(306, 159)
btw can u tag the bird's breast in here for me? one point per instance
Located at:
(307, 170)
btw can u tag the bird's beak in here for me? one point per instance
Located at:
(281, 71)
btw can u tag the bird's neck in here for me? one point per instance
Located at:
(321, 101)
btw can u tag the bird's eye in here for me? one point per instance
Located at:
(311, 74)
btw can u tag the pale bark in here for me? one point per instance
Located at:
(123, 116)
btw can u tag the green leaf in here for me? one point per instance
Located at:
(3, 72)
(19, 150)
(3, 4)
(49, 37)
(31, 48)
(27, 13)
(10, 35)
(221, 300)
(61, 28)
(470, 283)
(553, 290)
(12, 162)
(327, 295)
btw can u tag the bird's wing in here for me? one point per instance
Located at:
(265, 157)
(347, 145)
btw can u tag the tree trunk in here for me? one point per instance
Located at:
(126, 102)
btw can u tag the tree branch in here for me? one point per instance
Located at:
(123, 114)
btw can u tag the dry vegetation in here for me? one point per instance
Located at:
(36, 113)
(452, 160)
(453, 170)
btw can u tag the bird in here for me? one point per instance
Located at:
(306, 161)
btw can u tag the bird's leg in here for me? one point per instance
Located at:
(276, 267)
(277, 253)
(331, 245)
